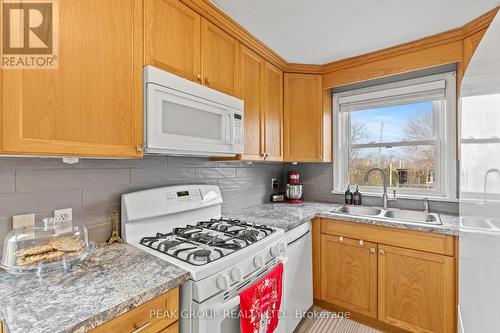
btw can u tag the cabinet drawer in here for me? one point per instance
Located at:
(174, 328)
(141, 320)
(416, 240)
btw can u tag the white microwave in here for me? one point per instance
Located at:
(182, 117)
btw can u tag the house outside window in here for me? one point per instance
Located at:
(406, 128)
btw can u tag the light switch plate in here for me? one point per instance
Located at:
(21, 221)
(65, 214)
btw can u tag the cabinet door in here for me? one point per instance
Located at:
(220, 59)
(416, 290)
(349, 274)
(303, 118)
(273, 113)
(91, 104)
(172, 38)
(252, 70)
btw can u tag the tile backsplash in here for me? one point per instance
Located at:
(317, 179)
(92, 187)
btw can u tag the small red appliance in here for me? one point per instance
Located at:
(294, 188)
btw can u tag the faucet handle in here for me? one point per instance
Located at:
(394, 194)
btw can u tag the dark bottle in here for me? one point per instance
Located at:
(348, 196)
(356, 197)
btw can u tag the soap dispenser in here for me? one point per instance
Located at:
(348, 196)
(356, 197)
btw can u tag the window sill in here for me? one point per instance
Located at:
(405, 196)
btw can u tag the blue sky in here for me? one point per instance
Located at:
(394, 118)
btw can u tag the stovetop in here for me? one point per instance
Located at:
(207, 241)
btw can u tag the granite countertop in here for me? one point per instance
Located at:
(287, 217)
(111, 281)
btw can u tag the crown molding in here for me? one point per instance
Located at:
(449, 36)
(215, 15)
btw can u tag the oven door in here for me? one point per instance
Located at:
(224, 308)
(180, 123)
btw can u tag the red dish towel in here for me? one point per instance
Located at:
(259, 304)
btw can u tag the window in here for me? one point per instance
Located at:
(407, 128)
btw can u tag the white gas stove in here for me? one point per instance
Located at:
(183, 225)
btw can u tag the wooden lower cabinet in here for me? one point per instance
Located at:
(415, 290)
(349, 274)
(174, 328)
(159, 315)
(385, 279)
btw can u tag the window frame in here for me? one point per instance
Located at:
(401, 92)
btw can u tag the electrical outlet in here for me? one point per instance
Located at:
(21, 221)
(65, 214)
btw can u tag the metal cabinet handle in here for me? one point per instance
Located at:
(139, 148)
(141, 327)
(198, 77)
(361, 242)
(372, 250)
(341, 238)
(381, 252)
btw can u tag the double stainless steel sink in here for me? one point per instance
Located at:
(390, 214)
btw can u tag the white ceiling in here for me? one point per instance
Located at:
(320, 31)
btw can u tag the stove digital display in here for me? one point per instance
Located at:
(183, 194)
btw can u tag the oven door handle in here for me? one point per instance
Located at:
(230, 304)
(236, 299)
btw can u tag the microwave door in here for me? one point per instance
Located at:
(181, 122)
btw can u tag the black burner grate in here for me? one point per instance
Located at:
(197, 245)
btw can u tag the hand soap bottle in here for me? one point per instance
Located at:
(348, 196)
(356, 197)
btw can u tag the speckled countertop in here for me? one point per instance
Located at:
(287, 217)
(111, 281)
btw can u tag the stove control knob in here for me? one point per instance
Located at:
(237, 274)
(275, 250)
(282, 247)
(223, 282)
(258, 261)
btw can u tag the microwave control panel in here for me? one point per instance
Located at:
(238, 129)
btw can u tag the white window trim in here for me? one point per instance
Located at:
(446, 141)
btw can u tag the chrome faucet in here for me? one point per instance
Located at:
(386, 183)
(426, 205)
(490, 171)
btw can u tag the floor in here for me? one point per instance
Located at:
(322, 321)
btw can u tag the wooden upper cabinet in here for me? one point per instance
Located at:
(91, 105)
(416, 290)
(273, 113)
(262, 92)
(349, 274)
(220, 59)
(252, 72)
(172, 38)
(303, 112)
